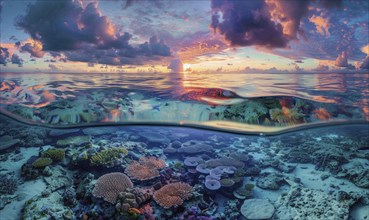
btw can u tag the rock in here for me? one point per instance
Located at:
(270, 181)
(45, 208)
(99, 130)
(257, 209)
(154, 137)
(7, 142)
(304, 203)
(60, 178)
(356, 171)
(361, 212)
(60, 132)
(74, 141)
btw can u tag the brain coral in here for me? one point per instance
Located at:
(108, 186)
(172, 194)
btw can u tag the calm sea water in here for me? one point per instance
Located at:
(145, 97)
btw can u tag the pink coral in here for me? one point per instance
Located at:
(109, 186)
(172, 194)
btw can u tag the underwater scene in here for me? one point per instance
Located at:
(184, 110)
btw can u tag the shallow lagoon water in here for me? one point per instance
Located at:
(288, 169)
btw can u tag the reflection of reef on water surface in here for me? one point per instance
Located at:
(115, 105)
(181, 173)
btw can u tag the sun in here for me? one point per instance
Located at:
(186, 66)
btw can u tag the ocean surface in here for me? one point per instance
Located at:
(184, 146)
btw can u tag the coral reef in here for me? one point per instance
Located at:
(8, 185)
(131, 198)
(109, 186)
(109, 157)
(54, 154)
(172, 194)
(257, 209)
(42, 162)
(301, 203)
(147, 168)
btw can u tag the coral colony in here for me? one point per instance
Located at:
(184, 110)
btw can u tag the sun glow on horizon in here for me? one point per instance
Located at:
(186, 66)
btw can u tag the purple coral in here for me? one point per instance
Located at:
(201, 168)
(192, 161)
(228, 169)
(216, 172)
(212, 184)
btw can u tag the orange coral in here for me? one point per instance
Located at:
(152, 162)
(134, 211)
(322, 114)
(108, 186)
(141, 172)
(172, 194)
(147, 168)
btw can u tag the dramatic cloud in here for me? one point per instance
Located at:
(288, 14)
(322, 24)
(341, 60)
(270, 24)
(33, 47)
(17, 60)
(83, 34)
(4, 55)
(246, 23)
(176, 66)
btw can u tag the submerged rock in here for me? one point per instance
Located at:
(195, 149)
(357, 172)
(154, 137)
(270, 181)
(257, 209)
(74, 141)
(7, 142)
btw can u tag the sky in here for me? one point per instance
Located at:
(193, 36)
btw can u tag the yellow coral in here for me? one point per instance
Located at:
(54, 154)
(42, 162)
(108, 157)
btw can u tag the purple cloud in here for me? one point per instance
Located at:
(341, 60)
(246, 23)
(16, 60)
(4, 55)
(83, 34)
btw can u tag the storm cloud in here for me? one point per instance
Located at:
(269, 23)
(16, 60)
(4, 55)
(246, 23)
(83, 34)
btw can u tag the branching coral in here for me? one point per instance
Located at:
(42, 162)
(109, 157)
(109, 186)
(172, 194)
(54, 154)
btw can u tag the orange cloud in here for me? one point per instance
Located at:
(322, 24)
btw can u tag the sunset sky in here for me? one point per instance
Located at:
(270, 36)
